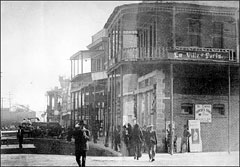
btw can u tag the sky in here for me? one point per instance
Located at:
(39, 37)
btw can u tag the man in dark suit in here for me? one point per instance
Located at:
(81, 136)
(20, 136)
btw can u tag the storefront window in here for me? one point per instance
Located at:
(187, 108)
(219, 109)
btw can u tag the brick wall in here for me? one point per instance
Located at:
(215, 134)
(207, 23)
(160, 121)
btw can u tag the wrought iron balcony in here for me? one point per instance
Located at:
(177, 53)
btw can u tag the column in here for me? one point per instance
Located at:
(171, 105)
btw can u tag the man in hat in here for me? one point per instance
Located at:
(20, 136)
(151, 142)
(81, 136)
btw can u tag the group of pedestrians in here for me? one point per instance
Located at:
(138, 139)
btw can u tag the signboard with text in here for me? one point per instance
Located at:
(203, 112)
(195, 141)
(201, 55)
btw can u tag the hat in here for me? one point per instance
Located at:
(81, 122)
(151, 125)
(77, 125)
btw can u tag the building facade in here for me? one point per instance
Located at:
(65, 102)
(54, 100)
(59, 103)
(89, 88)
(9, 117)
(167, 61)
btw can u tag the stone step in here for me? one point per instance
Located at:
(14, 149)
(10, 141)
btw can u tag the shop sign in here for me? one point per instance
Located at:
(195, 141)
(201, 55)
(203, 112)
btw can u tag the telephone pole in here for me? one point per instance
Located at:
(10, 105)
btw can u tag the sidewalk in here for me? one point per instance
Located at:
(186, 159)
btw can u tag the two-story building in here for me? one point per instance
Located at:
(58, 103)
(89, 88)
(172, 63)
(54, 101)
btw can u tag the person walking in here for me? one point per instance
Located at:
(126, 140)
(137, 138)
(130, 145)
(81, 136)
(186, 135)
(20, 136)
(144, 131)
(117, 138)
(151, 141)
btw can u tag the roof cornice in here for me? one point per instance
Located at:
(168, 7)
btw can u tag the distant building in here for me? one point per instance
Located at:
(15, 117)
(89, 89)
(58, 103)
(65, 105)
(53, 107)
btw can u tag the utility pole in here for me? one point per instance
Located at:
(2, 102)
(10, 105)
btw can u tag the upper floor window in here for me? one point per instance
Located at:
(218, 42)
(218, 35)
(194, 40)
(194, 26)
(194, 32)
(217, 28)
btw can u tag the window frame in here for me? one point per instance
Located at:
(217, 31)
(217, 113)
(194, 32)
(187, 105)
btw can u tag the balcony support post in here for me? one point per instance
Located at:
(174, 27)
(74, 108)
(81, 105)
(229, 106)
(171, 108)
(111, 101)
(237, 35)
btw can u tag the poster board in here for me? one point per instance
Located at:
(195, 141)
(203, 112)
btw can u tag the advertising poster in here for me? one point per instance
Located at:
(203, 112)
(195, 141)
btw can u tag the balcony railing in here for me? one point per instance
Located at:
(177, 53)
(134, 54)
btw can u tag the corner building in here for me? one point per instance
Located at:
(167, 58)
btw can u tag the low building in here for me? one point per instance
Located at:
(9, 117)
